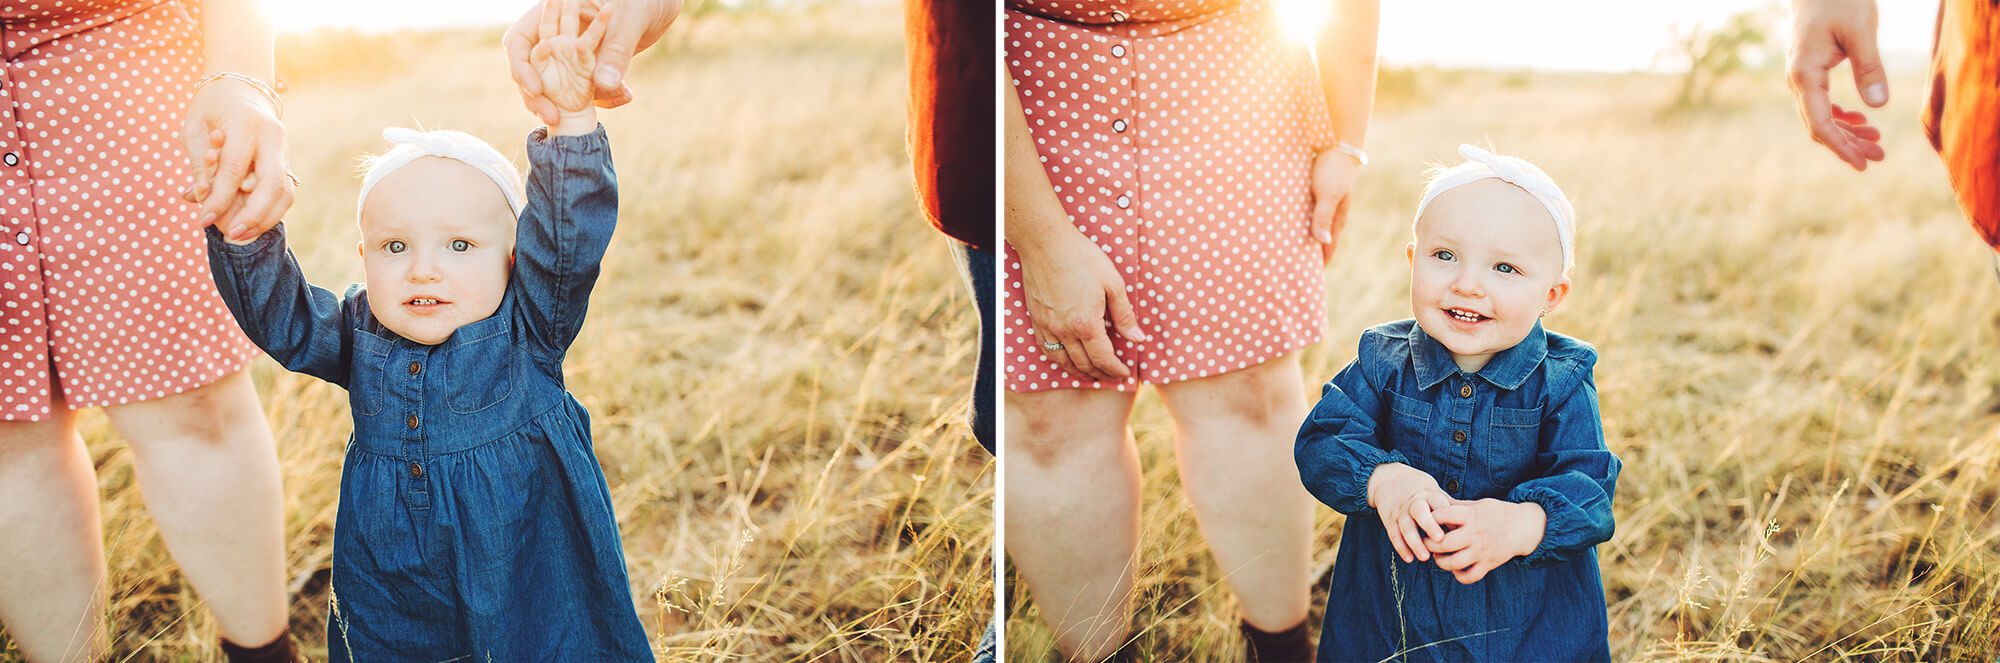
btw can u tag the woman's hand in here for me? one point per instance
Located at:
(1824, 33)
(236, 146)
(1405, 497)
(1333, 175)
(1068, 288)
(1485, 534)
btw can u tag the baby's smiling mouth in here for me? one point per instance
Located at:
(1466, 316)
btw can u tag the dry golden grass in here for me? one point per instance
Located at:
(776, 360)
(1797, 366)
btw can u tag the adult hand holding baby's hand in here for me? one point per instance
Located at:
(236, 145)
(1405, 498)
(563, 58)
(630, 26)
(1485, 534)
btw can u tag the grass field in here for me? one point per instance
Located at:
(1798, 367)
(776, 360)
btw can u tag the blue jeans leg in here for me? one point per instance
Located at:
(977, 266)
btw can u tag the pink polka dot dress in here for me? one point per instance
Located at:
(105, 293)
(1179, 136)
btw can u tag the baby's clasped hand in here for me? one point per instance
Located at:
(1485, 534)
(1405, 498)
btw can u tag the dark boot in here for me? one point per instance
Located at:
(275, 651)
(1292, 645)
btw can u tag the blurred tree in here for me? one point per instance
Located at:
(1712, 55)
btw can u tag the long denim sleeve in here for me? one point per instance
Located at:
(303, 326)
(1338, 448)
(571, 211)
(1579, 478)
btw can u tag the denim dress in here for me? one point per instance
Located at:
(1522, 429)
(474, 521)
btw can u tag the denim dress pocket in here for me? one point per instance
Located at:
(368, 373)
(1512, 438)
(479, 368)
(1409, 429)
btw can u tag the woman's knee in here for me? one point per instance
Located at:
(1052, 428)
(23, 439)
(1267, 395)
(212, 414)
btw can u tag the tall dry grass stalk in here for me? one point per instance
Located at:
(776, 359)
(1798, 366)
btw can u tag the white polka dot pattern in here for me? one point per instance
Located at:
(103, 275)
(1179, 136)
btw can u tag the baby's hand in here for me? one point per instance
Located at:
(565, 59)
(1404, 497)
(1485, 534)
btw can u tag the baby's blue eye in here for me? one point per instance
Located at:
(460, 245)
(1443, 254)
(1504, 268)
(396, 246)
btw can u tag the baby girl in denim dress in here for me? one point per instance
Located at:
(1464, 445)
(474, 521)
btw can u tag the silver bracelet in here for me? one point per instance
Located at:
(277, 105)
(1360, 155)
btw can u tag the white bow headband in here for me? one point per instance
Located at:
(463, 147)
(1481, 164)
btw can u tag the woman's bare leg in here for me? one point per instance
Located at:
(1234, 436)
(209, 472)
(1073, 512)
(52, 551)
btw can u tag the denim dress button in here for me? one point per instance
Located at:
(1465, 391)
(1458, 436)
(412, 421)
(416, 368)
(1451, 486)
(416, 470)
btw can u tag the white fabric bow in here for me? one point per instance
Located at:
(457, 145)
(1481, 164)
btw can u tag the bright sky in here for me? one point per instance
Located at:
(1559, 34)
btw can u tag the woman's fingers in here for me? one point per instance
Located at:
(1059, 353)
(517, 42)
(1861, 131)
(621, 41)
(1097, 349)
(231, 167)
(613, 98)
(594, 35)
(1123, 318)
(1333, 232)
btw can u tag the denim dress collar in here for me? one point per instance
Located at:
(1507, 370)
